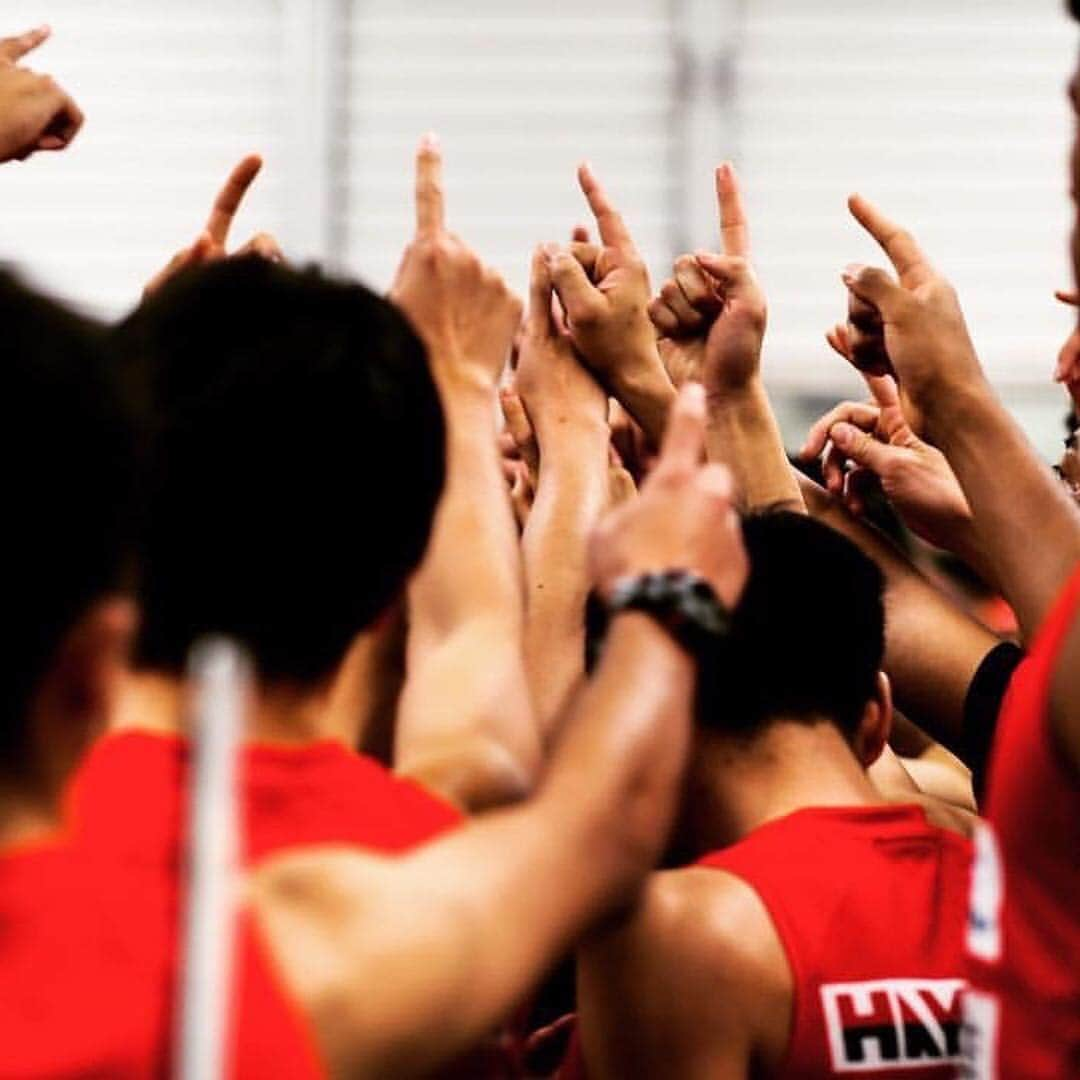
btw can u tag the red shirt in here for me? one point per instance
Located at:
(71, 973)
(869, 905)
(130, 797)
(129, 806)
(1022, 1014)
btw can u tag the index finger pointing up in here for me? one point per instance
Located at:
(907, 257)
(430, 211)
(15, 48)
(734, 230)
(230, 196)
(684, 439)
(609, 222)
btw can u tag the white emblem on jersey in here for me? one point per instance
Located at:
(987, 894)
(888, 1023)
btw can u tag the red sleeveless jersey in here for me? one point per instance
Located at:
(1022, 1013)
(72, 969)
(128, 805)
(130, 798)
(869, 905)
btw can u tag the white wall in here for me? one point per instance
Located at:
(951, 113)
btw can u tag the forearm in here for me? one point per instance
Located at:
(743, 434)
(932, 648)
(1025, 522)
(472, 566)
(466, 695)
(648, 400)
(470, 930)
(571, 495)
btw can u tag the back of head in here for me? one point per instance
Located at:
(294, 458)
(67, 455)
(807, 636)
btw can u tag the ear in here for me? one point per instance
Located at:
(875, 727)
(79, 692)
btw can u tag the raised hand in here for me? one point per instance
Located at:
(35, 113)
(862, 440)
(684, 517)
(210, 245)
(1067, 369)
(556, 389)
(711, 314)
(927, 345)
(604, 292)
(463, 310)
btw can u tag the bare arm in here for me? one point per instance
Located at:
(932, 648)
(568, 411)
(692, 983)
(465, 724)
(712, 316)
(1027, 525)
(453, 934)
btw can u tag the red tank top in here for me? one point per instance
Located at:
(130, 798)
(869, 905)
(71, 973)
(1022, 1014)
(128, 805)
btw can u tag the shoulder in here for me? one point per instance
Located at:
(696, 969)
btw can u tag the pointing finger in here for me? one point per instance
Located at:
(430, 209)
(684, 440)
(734, 229)
(904, 253)
(609, 222)
(230, 196)
(15, 48)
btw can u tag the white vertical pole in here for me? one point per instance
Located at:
(707, 38)
(220, 683)
(315, 54)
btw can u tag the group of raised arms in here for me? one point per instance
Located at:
(589, 733)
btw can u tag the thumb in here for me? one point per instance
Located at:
(876, 287)
(863, 449)
(578, 295)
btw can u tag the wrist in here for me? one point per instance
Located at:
(743, 395)
(648, 396)
(566, 431)
(950, 410)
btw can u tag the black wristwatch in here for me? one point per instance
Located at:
(684, 603)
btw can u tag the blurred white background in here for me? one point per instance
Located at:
(950, 113)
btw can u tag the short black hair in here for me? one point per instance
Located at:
(67, 455)
(1074, 7)
(294, 453)
(808, 633)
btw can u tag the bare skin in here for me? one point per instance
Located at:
(466, 726)
(35, 113)
(456, 932)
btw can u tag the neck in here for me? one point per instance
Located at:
(736, 785)
(26, 817)
(281, 713)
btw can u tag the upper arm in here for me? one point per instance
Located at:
(693, 983)
(464, 726)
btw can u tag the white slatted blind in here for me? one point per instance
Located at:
(174, 94)
(520, 93)
(952, 116)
